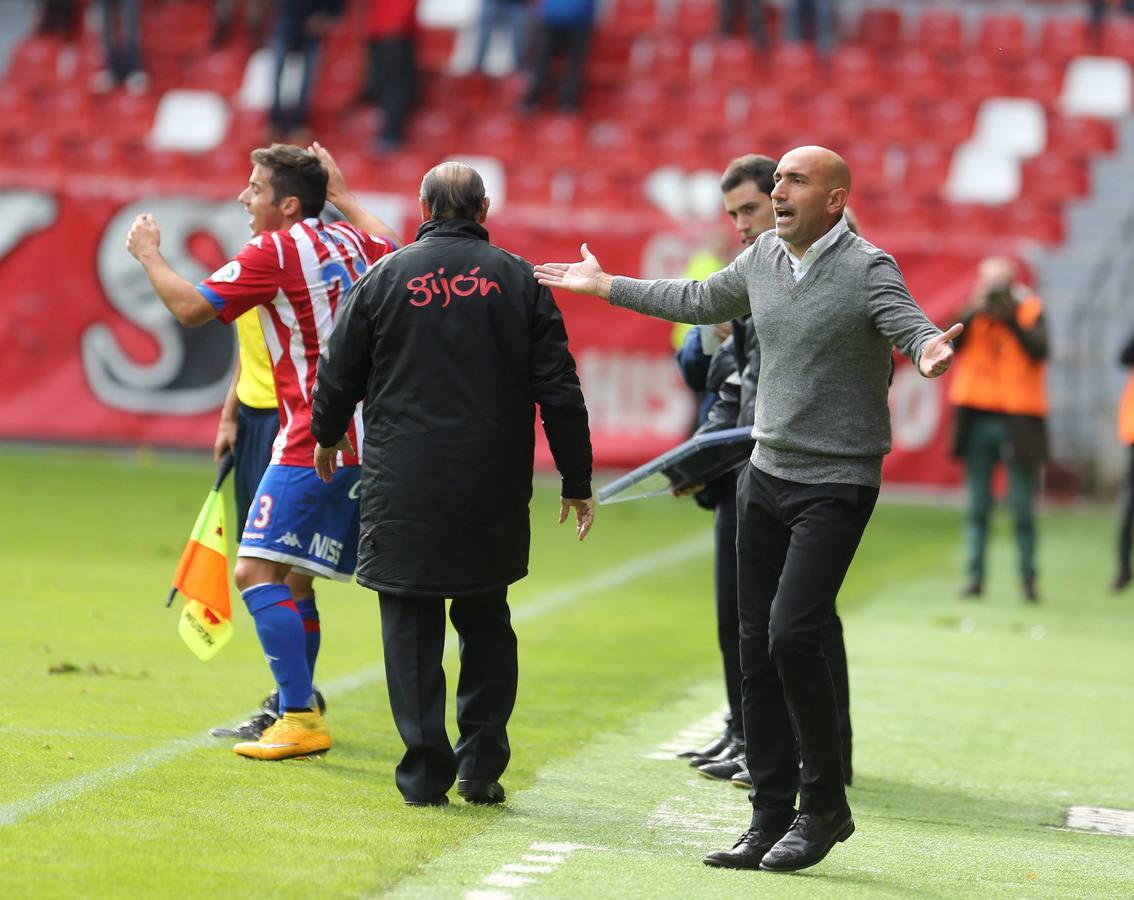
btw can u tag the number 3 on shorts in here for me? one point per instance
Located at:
(261, 521)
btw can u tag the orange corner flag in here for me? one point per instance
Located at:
(202, 576)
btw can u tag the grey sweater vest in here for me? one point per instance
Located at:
(821, 410)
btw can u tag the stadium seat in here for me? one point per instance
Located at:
(669, 61)
(1118, 38)
(1040, 79)
(609, 59)
(1052, 179)
(190, 121)
(695, 19)
(1041, 222)
(982, 174)
(867, 162)
(1014, 126)
(917, 75)
(1062, 37)
(734, 63)
(1097, 86)
(632, 16)
(1003, 37)
(645, 103)
(893, 119)
(827, 120)
(559, 140)
(796, 68)
(856, 73)
(941, 32)
(927, 168)
(970, 220)
(880, 28)
(1079, 137)
(529, 184)
(978, 77)
(895, 212)
(949, 122)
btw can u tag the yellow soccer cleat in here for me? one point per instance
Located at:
(294, 735)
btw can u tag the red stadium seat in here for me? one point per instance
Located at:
(560, 141)
(880, 28)
(941, 32)
(669, 60)
(1040, 78)
(1003, 37)
(495, 134)
(971, 220)
(949, 122)
(927, 167)
(829, 119)
(891, 118)
(867, 162)
(918, 75)
(529, 184)
(645, 103)
(609, 59)
(894, 212)
(796, 68)
(633, 16)
(734, 63)
(1053, 179)
(1077, 137)
(696, 19)
(856, 73)
(979, 77)
(1041, 222)
(1062, 37)
(1118, 37)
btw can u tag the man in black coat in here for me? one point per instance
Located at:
(453, 344)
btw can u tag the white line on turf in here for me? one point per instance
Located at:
(16, 811)
(693, 735)
(515, 875)
(1101, 819)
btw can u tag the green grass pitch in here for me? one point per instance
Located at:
(977, 724)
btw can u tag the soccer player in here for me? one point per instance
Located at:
(296, 269)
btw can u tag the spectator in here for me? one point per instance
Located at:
(514, 14)
(754, 13)
(1098, 10)
(1126, 435)
(814, 19)
(565, 28)
(60, 17)
(300, 28)
(1001, 403)
(224, 12)
(391, 79)
(120, 36)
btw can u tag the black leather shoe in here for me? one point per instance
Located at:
(1031, 593)
(746, 853)
(1121, 581)
(486, 792)
(810, 838)
(742, 779)
(722, 770)
(973, 590)
(711, 749)
(731, 749)
(436, 801)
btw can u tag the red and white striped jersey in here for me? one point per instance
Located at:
(297, 278)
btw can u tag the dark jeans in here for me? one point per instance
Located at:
(413, 640)
(256, 430)
(724, 584)
(392, 83)
(795, 543)
(555, 41)
(120, 30)
(1126, 519)
(291, 37)
(989, 442)
(754, 13)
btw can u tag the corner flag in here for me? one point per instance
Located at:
(202, 576)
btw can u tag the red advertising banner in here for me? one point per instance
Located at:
(92, 356)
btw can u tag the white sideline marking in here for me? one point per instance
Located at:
(487, 895)
(525, 869)
(690, 736)
(1102, 820)
(542, 858)
(513, 874)
(503, 879)
(648, 563)
(686, 822)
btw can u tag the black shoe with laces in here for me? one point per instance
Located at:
(810, 838)
(747, 852)
(711, 749)
(261, 722)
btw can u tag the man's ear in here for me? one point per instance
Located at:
(289, 207)
(483, 214)
(837, 200)
(423, 207)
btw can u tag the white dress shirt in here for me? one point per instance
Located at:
(799, 267)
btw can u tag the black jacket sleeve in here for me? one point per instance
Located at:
(344, 369)
(750, 377)
(555, 387)
(1127, 356)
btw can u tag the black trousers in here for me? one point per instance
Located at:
(795, 543)
(724, 585)
(413, 640)
(392, 83)
(571, 43)
(1126, 518)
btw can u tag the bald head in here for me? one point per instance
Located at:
(812, 184)
(453, 190)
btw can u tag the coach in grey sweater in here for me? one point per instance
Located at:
(826, 306)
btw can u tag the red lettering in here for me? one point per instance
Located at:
(420, 287)
(434, 284)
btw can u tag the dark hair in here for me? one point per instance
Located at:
(453, 190)
(751, 167)
(295, 173)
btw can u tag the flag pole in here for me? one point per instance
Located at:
(223, 468)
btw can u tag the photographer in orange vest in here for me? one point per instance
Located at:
(1001, 403)
(1126, 435)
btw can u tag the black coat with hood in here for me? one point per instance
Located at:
(453, 343)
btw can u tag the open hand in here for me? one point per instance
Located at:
(937, 355)
(583, 277)
(336, 182)
(327, 458)
(584, 514)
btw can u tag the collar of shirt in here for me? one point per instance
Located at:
(799, 267)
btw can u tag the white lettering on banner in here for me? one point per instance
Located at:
(194, 365)
(23, 213)
(635, 394)
(325, 548)
(915, 409)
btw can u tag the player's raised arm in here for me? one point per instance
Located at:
(346, 202)
(180, 297)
